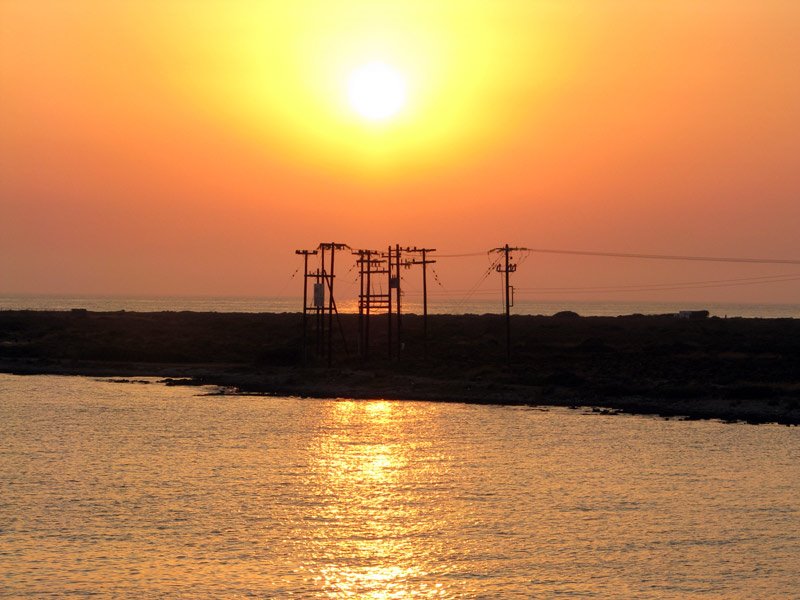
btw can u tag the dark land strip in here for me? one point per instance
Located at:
(731, 369)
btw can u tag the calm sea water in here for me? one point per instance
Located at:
(134, 490)
(411, 305)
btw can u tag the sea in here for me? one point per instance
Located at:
(116, 488)
(121, 488)
(435, 306)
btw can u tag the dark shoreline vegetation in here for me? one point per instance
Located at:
(731, 369)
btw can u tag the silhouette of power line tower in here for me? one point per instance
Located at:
(394, 261)
(306, 308)
(324, 278)
(328, 277)
(507, 267)
(424, 261)
(370, 265)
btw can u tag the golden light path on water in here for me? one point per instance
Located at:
(142, 490)
(346, 470)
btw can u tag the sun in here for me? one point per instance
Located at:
(376, 91)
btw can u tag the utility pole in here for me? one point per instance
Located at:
(306, 254)
(507, 269)
(321, 315)
(360, 261)
(368, 306)
(397, 253)
(330, 305)
(393, 257)
(424, 262)
(328, 277)
(319, 309)
(368, 300)
(389, 305)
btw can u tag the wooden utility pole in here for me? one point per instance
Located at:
(389, 306)
(367, 299)
(507, 269)
(319, 310)
(328, 277)
(393, 258)
(360, 261)
(330, 305)
(321, 318)
(397, 253)
(306, 254)
(424, 262)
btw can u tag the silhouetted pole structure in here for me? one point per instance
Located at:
(397, 253)
(330, 307)
(424, 262)
(508, 305)
(389, 311)
(393, 268)
(361, 345)
(364, 267)
(324, 281)
(507, 270)
(305, 254)
(329, 277)
(318, 310)
(368, 300)
(424, 301)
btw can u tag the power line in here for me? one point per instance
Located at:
(762, 261)
(644, 288)
(461, 255)
(483, 278)
(743, 280)
(640, 255)
(655, 287)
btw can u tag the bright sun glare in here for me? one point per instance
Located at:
(376, 91)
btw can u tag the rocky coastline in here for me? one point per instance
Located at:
(730, 369)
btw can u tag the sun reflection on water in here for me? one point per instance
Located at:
(370, 539)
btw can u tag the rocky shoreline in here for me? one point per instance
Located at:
(729, 369)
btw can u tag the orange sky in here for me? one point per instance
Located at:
(180, 147)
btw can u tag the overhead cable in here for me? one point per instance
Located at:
(639, 255)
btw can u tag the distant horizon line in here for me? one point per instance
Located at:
(435, 300)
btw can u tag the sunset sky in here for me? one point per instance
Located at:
(189, 147)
